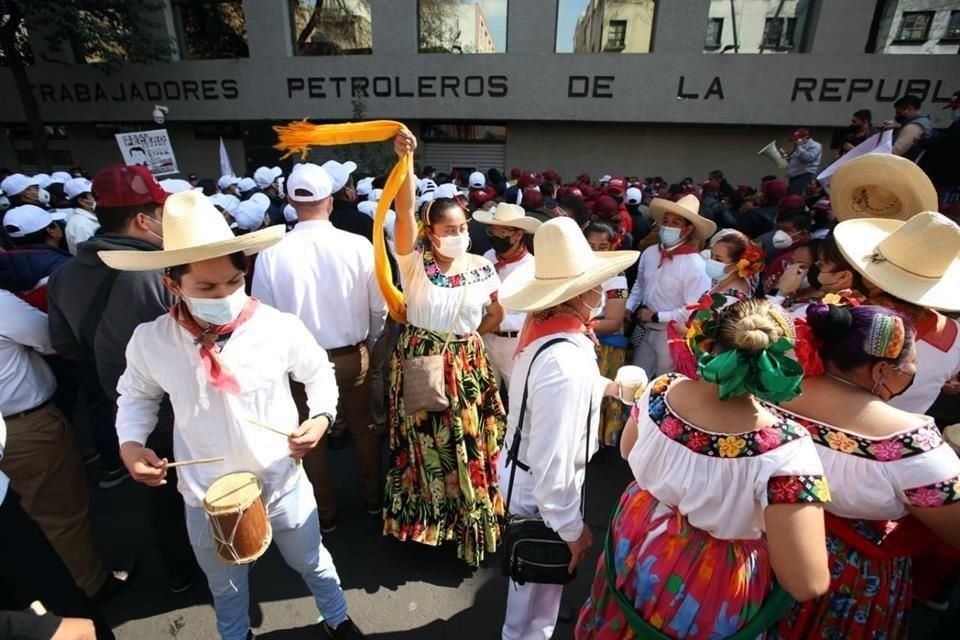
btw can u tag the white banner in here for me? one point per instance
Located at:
(151, 149)
(881, 142)
(226, 169)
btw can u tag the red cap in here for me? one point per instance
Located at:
(575, 192)
(955, 102)
(588, 192)
(822, 204)
(793, 202)
(480, 197)
(710, 186)
(606, 207)
(515, 173)
(584, 178)
(799, 134)
(616, 186)
(528, 179)
(552, 176)
(532, 199)
(774, 190)
(123, 185)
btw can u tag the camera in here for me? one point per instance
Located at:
(160, 113)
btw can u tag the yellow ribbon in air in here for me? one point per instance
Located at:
(298, 137)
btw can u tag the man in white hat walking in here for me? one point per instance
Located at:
(324, 276)
(506, 226)
(224, 359)
(268, 182)
(83, 223)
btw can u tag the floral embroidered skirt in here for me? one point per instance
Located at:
(613, 414)
(681, 580)
(868, 597)
(442, 480)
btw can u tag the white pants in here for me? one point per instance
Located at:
(653, 354)
(500, 351)
(532, 609)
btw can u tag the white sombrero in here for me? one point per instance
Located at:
(563, 267)
(193, 230)
(880, 185)
(916, 260)
(688, 208)
(508, 215)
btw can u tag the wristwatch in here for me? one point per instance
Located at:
(324, 415)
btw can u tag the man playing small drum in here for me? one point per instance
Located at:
(224, 359)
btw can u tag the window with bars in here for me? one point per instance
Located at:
(617, 35)
(915, 26)
(778, 33)
(714, 33)
(953, 27)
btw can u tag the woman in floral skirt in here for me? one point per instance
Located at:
(442, 482)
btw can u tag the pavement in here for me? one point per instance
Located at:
(395, 590)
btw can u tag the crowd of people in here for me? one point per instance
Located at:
(788, 476)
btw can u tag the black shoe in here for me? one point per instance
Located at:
(567, 613)
(113, 477)
(345, 631)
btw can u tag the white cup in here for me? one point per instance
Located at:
(632, 381)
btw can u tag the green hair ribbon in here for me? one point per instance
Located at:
(770, 375)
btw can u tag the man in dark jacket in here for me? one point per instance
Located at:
(93, 313)
(36, 253)
(941, 155)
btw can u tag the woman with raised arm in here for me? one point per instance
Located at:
(442, 480)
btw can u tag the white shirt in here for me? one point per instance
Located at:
(325, 277)
(667, 289)
(80, 227)
(512, 320)
(262, 354)
(432, 297)
(934, 369)
(26, 381)
(564, 381)
(4, 480)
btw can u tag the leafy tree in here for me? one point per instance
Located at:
(333, 27)
(440, 27)
(107, 33)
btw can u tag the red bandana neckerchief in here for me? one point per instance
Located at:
(533, 330)
(219, 375)
(668, 254)
(502, 262)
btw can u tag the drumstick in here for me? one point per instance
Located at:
(268, 427)
(185, 463)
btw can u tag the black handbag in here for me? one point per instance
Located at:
(532, 551)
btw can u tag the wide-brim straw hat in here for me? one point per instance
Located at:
(880, 185)
(508, 215)
(563, 267)
(916, 260)
(193, 231)
(688, 208)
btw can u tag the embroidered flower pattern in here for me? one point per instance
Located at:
(935, 495)
(458, 279)
(797, 489)
(902, 445)
(715, 445)
(841, 442)
(617, 294)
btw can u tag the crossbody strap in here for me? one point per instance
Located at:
(513, 455)
(453, 322)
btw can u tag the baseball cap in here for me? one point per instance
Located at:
(309, 182)
(552, 176)
(792, 202)
(262, 200)
(605, 207)
(528, 179)
(799, 134)
(225, 201)
(634, 196)
(26, 219)
(448, 190)
(77, 186)
(249, 215)
(605, 177)
(616, 186)
(477, 180)
(532, 199)
(123, 185)
(265, 176)
(290, 214)
(227, 181)
(364, 187)
(176, 185)
(339, 172)
(515, 173)
(16, 183)
(481, 196)
(710, 186)
(60, 176)
(43, 180)
(246, 184)
(427, 184)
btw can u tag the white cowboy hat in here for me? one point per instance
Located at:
(688, 208)
(508, 215)
(563, 267)
(880, 185)
(193, 230)
(916, 260)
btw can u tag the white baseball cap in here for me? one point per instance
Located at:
(265, 176)
(339, 172)
(309, 183)
(249, 215)
(60, 176)
(26, 219)
(427, 197)
(426, 185)
(43, 179)
(606, 178)
(448, 190)
(227, 181)
(290, 214)
(477, 180)
(16, 183)
(225, 201)
(246, 184)
(176, 185)
(262, 199)
(364, 187)
(633, 196)
(76, 186)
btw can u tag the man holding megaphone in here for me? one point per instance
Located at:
(803, 161)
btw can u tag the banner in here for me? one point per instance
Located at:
(881, 142)
(151, 149)
(226, 169)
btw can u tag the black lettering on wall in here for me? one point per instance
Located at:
(294, 84)
(65, 94)
(919, 88)
(135, 93)
(892, 96)
(339, 81)
(425, 86)
(315, 88)
(715, 89)
(82, 92)
(859, 85)
(603, 86)
(171, 90)
(382, 86)
(399, 92)
(830, 89)
(452, 83)
(192, 88)
(230, 89)
(358, 87)
(805, 86)
(681, 94)
(473, 86)
(497, 86)
(153, 90)
(578, 87)
(209, 88)
(46, 93)
(100, 95)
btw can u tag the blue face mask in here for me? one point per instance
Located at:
(716, 270)
(669, 236)
(218, 311)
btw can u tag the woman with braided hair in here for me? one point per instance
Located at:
(722, 524)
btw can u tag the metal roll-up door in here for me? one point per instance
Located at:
(445, 157)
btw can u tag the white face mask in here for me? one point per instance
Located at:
(670, 236)
(43, 196)
(453, 246)
(218, 311)
(597, 311)
(716, 270)
(782, 239)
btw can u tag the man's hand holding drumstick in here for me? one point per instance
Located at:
(307, 436)
(143, 464)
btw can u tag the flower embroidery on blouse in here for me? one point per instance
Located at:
(617, 294)
(796, 489)
(936, 494)
(458, 279)
(902, 445)
(710, 444)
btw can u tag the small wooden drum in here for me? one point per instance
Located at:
(952, 435)
(238, 517)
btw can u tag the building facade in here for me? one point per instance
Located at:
(692, 104)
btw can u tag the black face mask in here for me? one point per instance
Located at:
(813, 277)
(501, 245)
(904, 390)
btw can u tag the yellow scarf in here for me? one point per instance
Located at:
(298, 137)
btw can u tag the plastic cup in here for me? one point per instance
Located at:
(632, 380)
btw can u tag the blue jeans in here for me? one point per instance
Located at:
(296, 532)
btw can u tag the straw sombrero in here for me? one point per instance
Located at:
(916, 260)
(193, 230)
(563, 267)
(687, 207)
(880, 185)
(508, 215)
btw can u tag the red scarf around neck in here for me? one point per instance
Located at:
(502, 262)
(533, 330)
(668, 254)
(206, 339)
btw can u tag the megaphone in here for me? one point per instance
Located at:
(772, 153)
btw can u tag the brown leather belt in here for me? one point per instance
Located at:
(343, 351)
